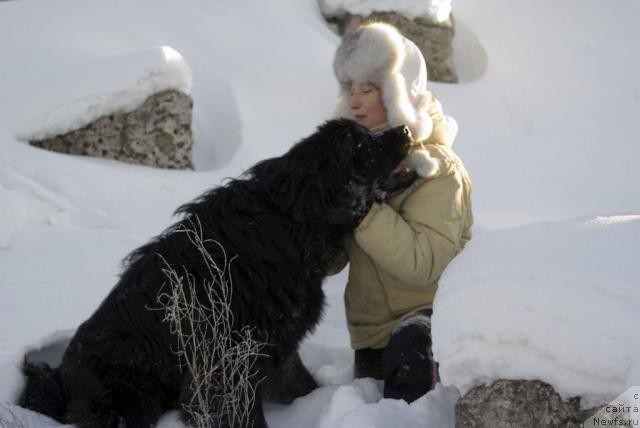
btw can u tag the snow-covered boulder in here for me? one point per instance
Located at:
(158, 133)
(553, 301)
(521, 403)
(434, 11)
(134, 107)
(429, 24)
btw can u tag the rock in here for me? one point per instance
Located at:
(518, 403)
(158, 133)
(434, 40)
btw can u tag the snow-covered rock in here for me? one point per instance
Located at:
(518, 403)
(156, 133)
(82, 88)
(554, 301)
(435, 40)
(436, 11)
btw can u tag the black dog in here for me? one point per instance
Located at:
(282, 223)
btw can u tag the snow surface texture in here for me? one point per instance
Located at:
(547, 117)
(436, 11)
(555, 301)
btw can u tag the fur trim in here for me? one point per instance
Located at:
(378, 54)
(422, 163)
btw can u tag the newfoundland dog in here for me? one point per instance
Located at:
(273, 233)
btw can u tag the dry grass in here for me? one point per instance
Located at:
(220, 360)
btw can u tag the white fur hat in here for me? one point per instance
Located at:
(377, 53)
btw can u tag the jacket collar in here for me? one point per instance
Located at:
(381, 127)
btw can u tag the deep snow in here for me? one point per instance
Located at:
(546, 108)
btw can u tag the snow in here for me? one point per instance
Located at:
(436, 11)
(359, 404)
(555, 301)
(547, 110)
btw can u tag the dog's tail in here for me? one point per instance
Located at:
(43, 390)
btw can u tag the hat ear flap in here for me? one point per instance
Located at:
(406, 96)
(396, 102)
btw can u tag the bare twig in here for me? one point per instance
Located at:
(220, 360)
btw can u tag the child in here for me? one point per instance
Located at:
(402, 246)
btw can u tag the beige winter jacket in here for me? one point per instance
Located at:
(401, 247)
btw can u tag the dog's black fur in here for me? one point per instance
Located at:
(283, 223)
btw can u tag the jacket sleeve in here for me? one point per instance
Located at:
(416, 244)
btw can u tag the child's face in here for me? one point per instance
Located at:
(366, 105)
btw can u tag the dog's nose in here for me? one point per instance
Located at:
(402, 129)
(405, 130)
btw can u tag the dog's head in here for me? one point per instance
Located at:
(333, 175)
(373, 164)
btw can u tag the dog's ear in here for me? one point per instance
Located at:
(347, 216)
(325, 194)
(340, 217)
(351, 204)
(296, 180)
(309, 180)
(313, 198)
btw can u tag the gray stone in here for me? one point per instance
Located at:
(434, 40)
(158, 133)
(518, 403)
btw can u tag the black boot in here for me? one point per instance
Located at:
(407, 364)
(368, 363)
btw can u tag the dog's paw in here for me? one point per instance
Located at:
(394, 185)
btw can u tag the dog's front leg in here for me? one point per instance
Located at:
(289, 381)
